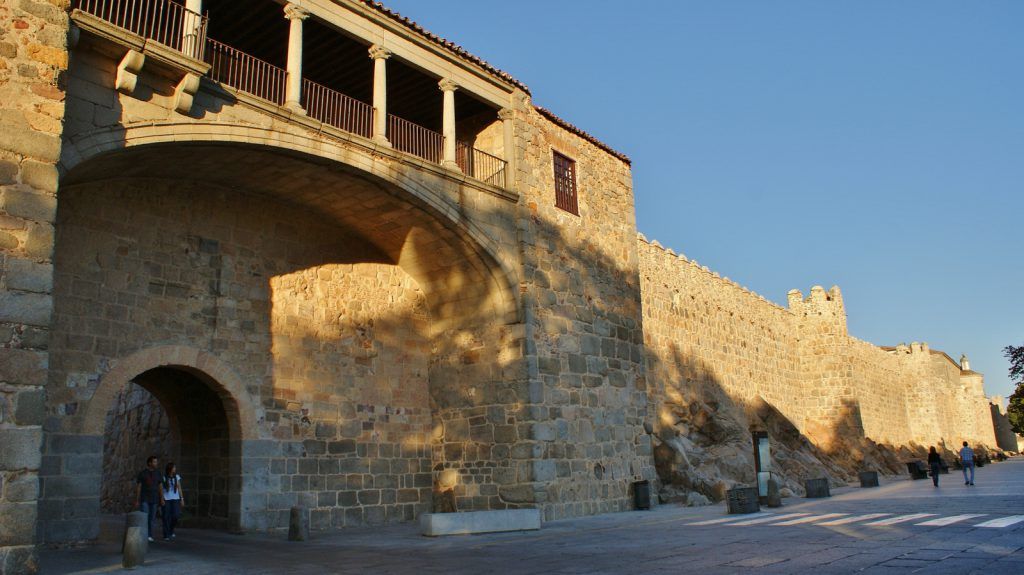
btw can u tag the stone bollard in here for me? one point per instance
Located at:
(298, 525)
(136, 542)
(868, 478)
(774, 498)
(817, 488)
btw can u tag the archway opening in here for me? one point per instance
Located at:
(175, 415)
(355, 332)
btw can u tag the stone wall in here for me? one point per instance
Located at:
(581, 291)
(138, 427)
(1006, 439)
(33, 61)
(714, 347)
(337, 354)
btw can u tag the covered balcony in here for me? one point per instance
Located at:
(283, 53)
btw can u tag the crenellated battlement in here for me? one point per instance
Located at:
(801, 358)
(674, 260)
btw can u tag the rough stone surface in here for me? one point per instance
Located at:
(33, 57)
(137, 427)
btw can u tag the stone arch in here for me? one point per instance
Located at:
(241, 411)
(412, 177)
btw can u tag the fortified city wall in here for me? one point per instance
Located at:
(711, 342)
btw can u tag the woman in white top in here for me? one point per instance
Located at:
(174, 498)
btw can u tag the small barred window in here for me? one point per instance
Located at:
(565, 184)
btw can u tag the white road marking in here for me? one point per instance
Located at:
(730, 519)
(949, 520)
(772, 517)
(901, 519)
(1002, 522)
(811, 519)
(855, 518)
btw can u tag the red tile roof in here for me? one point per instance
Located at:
(551, 116)
(459, 50)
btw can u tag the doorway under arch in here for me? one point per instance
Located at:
(177, 415)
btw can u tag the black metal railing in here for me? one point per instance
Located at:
(163, 21)
(478, 164)
(176, 27)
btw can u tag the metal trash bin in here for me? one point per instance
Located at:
(817, 488)
(642, 494)
(742, 500)
(868, 478)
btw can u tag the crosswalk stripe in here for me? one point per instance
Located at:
(854, 519)
(941, 521)
(772, 517)
(811, 519)
(731, 519)
(1002, 522)
(901, 519)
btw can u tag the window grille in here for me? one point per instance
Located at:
(565, 184)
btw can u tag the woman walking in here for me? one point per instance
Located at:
(935, 462)
(174, 498)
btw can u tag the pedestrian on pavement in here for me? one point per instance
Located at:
(967, 461)
(148, 494)
(935, 462)
(173, 498)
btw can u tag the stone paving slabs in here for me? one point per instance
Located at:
(668, 539)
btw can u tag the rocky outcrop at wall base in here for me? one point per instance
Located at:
(138, 427)
(708, 449)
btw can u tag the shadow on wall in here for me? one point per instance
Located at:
(705, 447)
(272, 258)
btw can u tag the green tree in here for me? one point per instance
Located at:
(1015, 411)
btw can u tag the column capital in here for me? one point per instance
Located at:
(506, 114)
(378, 52)
(447, 85)
(295, 12)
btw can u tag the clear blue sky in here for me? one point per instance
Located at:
(873, 144)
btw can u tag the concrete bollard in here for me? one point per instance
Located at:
(298, 525)
(136, 540)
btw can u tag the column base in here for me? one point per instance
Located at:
(451, 165)
(381, 141)
(295, 106)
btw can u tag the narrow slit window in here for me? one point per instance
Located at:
(565, 184)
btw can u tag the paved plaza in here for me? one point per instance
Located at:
(903, 527)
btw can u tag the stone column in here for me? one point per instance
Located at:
(31, 116)
(448, 87)
(507, 117)
(192, 21)
(380, 56)
(293, 94)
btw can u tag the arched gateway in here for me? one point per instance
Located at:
(308, 327)
(209, 414)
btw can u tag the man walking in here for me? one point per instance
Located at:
(967, 460)
(148, 493)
